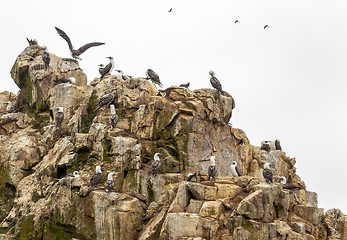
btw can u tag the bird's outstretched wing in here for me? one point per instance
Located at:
(88, 45)
(65, 36)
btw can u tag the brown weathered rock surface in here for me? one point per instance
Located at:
(185, 126)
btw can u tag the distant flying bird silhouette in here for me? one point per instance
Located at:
(78, 52)
(266, 26)
(237, 21)
(170, 10)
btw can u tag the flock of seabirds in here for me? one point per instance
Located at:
(106, 101)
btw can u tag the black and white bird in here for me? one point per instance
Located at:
(96, 178)
(266, 26)
(215, 82)
(113, 117)
(105, 100)
(10, 108)
(185, 85)
(235, 171)
(108, 69)
(267, 173)
(265, 146)
(170, 10)
(45, 56)
(153, 77)
(101, 68)
(192, 177)
(237, 21)
(212, 170)
(64, 80)
(275, 144)
(76, 53)
(109, 184)
(286, 185)
(156, 165)
(68, 178)
(32, 42)
(121, 76)
(59, 117)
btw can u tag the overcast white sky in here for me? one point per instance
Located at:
(288, 81)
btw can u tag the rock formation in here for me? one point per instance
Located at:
(185, 126)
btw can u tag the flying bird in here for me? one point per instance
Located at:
(288, 186)
(101, 68)
(109, 184)
(59, 117)
(10, 108)
(265, 146)
(32, 42)
(275, 144)
(215, 82)
(76, 53)
(267, 173)
(108, 69)
(192, 177)
(266, 26)
(235, 172)
(113, 117)
(156, 165)
(153, 76)
(45, 56)
(185, 85)
(236, 21)
(212, 170)
(170, 10)
(104, 100)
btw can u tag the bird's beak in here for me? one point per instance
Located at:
(118, 71)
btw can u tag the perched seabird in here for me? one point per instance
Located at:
(32, 42)
(185, 85)
(101, 68)
(78, 52)
(235, 172)
(108, 69)
(96, 178)
(191, 177)
(286, 185)
(113, 117)
(215, 82)
(170, 10)
(45, 56)
(267, 173)
(109, 184)
(64, 80)
(104, 100)
(10, 108)
(153, 76)
(68, 178)
(275, 144)
(121, 76)
(265, 146)
(266, 26)
(237, 21)
(59, 116)
(212, 170)
(156, 165)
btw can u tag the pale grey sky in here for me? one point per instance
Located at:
(288, 81)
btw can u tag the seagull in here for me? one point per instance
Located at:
(108, 69)
(212, 171)
(275, 144)
(101, 68)
(113, 117)
(265, 146)
(170, 10)
(153, 76)
(185, 85)
(109, 184)
(45, 56)
(104, 100)
(59, 116)
(215, 82)
(235, 172)
(10, 108)
(266, 26)
(286, 185)
(237, 21)
(156, 165)
(76, 53)
(32, 42)
(267, 173)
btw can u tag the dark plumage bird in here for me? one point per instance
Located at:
(170, 10)
(101, 68)
(78, 52)
(10, 108)
(153, 77)
(185, 85)
(109, 184)
(265, 146)
(192, 177)
(212, 170)
(96, 178)
(59, 116)
(235, 172)
(113, 117)
(108, 69)
(45, 57)
(32, 42)
(156, 165)
(266, 26)
(288, 186)
(215, 82)
(267, 173)
(275, 144)
(104, 101)
(236, 21)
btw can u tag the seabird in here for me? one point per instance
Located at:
(191, 176)
(64, 80)
(156, 165)
(45, 56)
(101, 68)
(109, 184)
(170, 10)
(121, 76)
(104, 100)
(78, 52)
(267, 173)
(59, 116)
(266, 26)
(108, 69)
(113, 117)
(235, 172)
(275, 144)
(212, 171)
(10, 108)
(68, 178)
(215, 82)
(236, 21)
(96, 178)
(286, 185)
(265, 146)
(185, 85)
(32, 42)
(153, 76)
